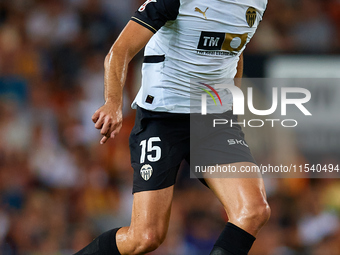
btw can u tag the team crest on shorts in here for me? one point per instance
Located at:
(251, 16)
(146, 172)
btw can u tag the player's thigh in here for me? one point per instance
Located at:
(149, 222)
(242, 198)
(151, 211)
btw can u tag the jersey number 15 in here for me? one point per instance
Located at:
(147, 146)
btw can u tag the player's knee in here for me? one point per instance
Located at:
(257, 213)
(149, 241)
(254, 212)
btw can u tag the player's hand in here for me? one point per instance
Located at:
(108, 119)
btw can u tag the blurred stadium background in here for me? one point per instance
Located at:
(59, 188)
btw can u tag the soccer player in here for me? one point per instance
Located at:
(185, 40)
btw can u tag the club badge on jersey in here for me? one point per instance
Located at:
(146, 172)
(142, 8)
(251, 16)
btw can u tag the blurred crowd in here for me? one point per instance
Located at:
(59, 188)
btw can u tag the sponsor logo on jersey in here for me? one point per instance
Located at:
(203, 13)
(142, 8)
(222, 41)
(236, 141)
(251, 16)
(146, 172)
(149, 99)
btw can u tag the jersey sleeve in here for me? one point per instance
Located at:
(153, 14)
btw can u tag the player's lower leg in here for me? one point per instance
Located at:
(105, 244)
(149, 225)
(237, 241)
(245, 203)
(233, 241)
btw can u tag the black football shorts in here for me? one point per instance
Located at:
(159, 141)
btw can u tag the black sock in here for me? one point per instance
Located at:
(233, 241)
(105, 244)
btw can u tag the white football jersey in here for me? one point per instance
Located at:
(196, 43)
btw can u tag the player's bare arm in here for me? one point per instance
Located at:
(108, 118)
